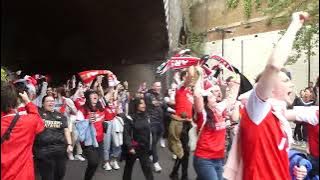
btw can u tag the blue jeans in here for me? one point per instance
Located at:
(157, 131)
(208, 169)
(109, 149)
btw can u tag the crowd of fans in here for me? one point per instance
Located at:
(102, 123)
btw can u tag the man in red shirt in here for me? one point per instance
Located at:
(16, 152)
(180, 125)
(263, 132)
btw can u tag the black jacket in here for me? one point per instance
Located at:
(137, 128)
(51, 141)
(155, 112)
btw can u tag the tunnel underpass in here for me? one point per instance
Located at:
(62, 37)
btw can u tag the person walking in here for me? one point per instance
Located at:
(91, 117)
(179, 127)
(154, 105)
(53, 144)
(137, 140)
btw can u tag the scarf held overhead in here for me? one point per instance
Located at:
(88, 76)
(178, 61)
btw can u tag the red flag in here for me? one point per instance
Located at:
(88, 76)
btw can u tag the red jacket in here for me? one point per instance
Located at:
(16, 153)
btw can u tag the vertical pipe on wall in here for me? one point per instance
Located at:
(242, 56)
(222, 42)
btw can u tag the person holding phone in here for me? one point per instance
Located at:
(16, 151)
(94, 112)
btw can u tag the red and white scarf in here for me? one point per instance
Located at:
(180, 62)
(88, 76)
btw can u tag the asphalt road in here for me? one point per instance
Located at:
(76, 169)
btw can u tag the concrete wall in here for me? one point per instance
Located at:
(138, 73)
(173, 11)
(255, 53)
(208, 14)
(135, 74)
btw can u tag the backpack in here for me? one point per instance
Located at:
(6, 135)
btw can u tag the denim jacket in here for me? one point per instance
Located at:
(86, 133)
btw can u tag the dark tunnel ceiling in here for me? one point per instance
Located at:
(59, 36)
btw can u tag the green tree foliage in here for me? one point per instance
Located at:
(279, 12)
(278, 7)
(195, 42)
(247, 5)
(232, 3)
(4, 74)
(307, 38)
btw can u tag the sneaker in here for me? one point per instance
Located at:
(115, 165)
(79, 157)
(162, 143)
(70, 156)
(107, 166)
(157, 167)
(174, 156)
(151, 158)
